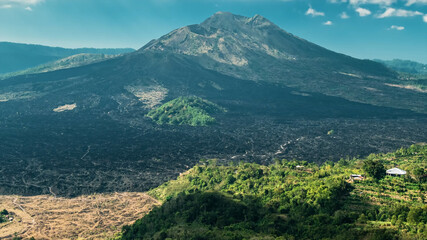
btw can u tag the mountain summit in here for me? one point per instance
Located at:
(234, 40)
(235, 23)
(256, 49)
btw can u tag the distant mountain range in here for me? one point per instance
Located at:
(87, 129)
(412, 75)
(405, 66)
(64, 63)
(17, 56)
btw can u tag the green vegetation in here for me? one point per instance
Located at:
(3, 214)
(375, 169)
(193, 111)
(16, 237)
(283, 201)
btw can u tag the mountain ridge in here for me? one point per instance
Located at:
(241, 33)
(77, 60)
(20, 56)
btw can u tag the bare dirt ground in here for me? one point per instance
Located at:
(97, 216)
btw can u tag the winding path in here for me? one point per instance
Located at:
(23, 210)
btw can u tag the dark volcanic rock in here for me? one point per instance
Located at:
(282, 95)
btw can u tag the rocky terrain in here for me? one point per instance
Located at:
(96, 216)
(84, 130)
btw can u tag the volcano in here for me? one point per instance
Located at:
(85, 129)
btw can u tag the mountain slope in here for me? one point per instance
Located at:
(412, 75)
(68, 62)
(256, 49)
(291, 200)
(405, 66)
(245, 42)
(103, 140)
(236, 40)
(17, 56)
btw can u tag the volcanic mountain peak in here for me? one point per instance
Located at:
(231, 22)
(253, 48)
(229, 39)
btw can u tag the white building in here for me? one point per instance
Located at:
(396, 172)
(356, 177)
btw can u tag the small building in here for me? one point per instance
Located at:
(356, 177)
(396, 172)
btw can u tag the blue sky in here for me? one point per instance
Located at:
(383, 29)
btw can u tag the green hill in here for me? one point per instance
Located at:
(193, 111)
(18, 56)
(292, 200)
(68, 62)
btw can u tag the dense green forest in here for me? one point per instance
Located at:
(193, 111)
(293, 200)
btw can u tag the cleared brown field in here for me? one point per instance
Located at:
(97, 216)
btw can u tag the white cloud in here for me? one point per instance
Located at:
(398, 28)
(21, 2)
(378, 2)
(314, 13)
(425, 18)
(328, 23)
(363, 12)
(411, 2)
(344, 15)
(392, 12)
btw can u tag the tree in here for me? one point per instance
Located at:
(374, 169)
(414, 215)
(393, 220)
(3, 213)
(419, 173)
(362, 219)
